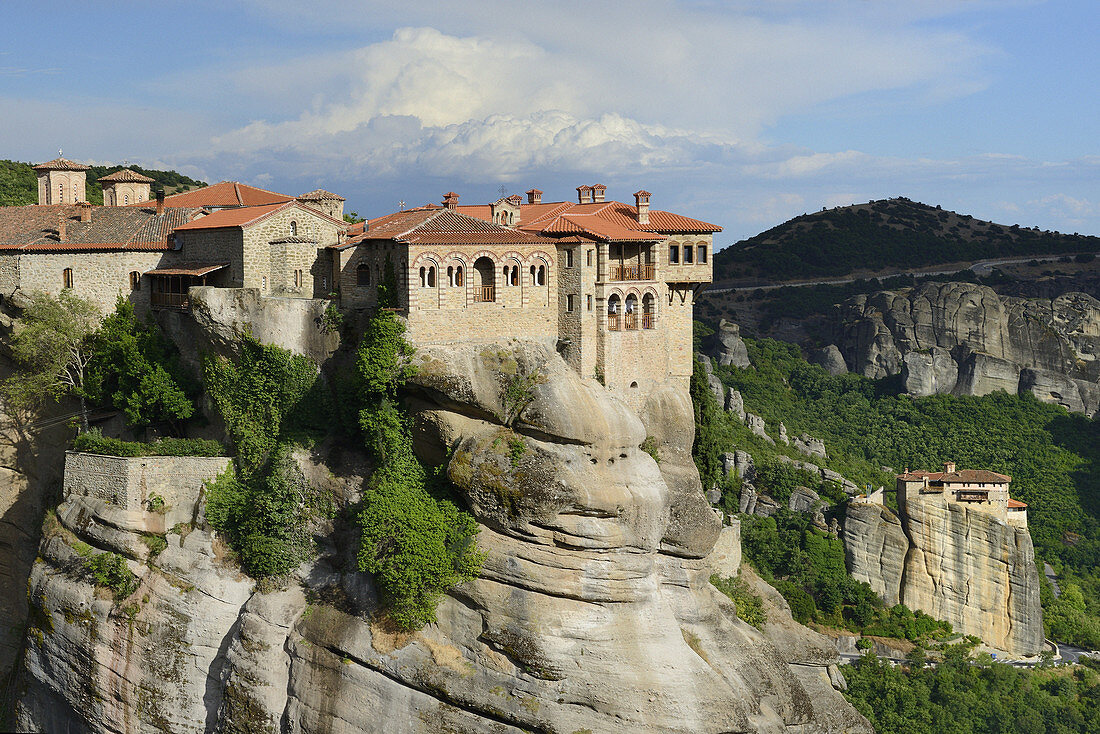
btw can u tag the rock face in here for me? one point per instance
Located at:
(593, 611)
(955, 563)
(830, 358)
(729, 349)
(965, 339)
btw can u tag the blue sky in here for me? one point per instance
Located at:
(743, 113)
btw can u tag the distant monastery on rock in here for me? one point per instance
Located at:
(612, 283)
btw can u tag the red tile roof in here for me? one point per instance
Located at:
(196, 269)
(34, 228)
(126, 175)
(543, 218)
(61, 164)
(227, 194)
(1016, 504)
(438, 226)
(238, 217)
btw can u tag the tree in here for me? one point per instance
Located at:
(135, 369)
(53, 347)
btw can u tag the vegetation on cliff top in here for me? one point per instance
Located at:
(19, 182)
(890, 233)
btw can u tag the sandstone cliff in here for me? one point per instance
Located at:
(959, 564)
(593, 612)
(965, 339)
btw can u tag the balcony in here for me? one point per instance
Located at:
(620, 273)
(177, 301)
(484, 294)
(630, 321)
(972, 496)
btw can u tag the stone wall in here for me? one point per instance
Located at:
(129, 482)
(125, 192)
(73, 183)
(97, 276)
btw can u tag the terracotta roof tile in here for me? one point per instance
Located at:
(440, 226)
(196, 269)
(962, 475)
(34, 228)
(126, 175)
(541, 217)
(61, 164)
(226, 194)
(1016, 503)
(237, 217)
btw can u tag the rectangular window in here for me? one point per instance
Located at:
(568, 258)
(702, 254)
(590, 258)
(589, 297)
(688, 252)
(674, 254)
(569, 302)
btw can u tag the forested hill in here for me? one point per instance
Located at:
(19, 183)
(882, 235)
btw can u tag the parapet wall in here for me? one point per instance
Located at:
(129, 482)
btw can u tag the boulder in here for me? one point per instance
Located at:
(803, 499)
(735, 404)
(729, 349)
(830, 359)
(783, 438)
(807, 444)
(757, 426)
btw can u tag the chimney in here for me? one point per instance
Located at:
(85, 211)
(584, 194)
(534, 196)
(61, 228)
(160, 202)
(641, 200)
(450, 200)
(949, 467)
(598, 192)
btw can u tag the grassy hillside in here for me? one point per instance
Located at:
(1053, 456)
(19, 183)
(891, 233)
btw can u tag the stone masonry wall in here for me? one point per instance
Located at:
(97, 276)
(129, 482)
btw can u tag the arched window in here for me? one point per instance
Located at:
(613, 314)
(484, 285)
(67, 278)
(431, 276)
(362, 275)
(459, 281)
(135, 280)
(423, 277)
(126, 199)
(689, 253)
(630, 315)
(293, 228)
(649, 311)
(541, 279)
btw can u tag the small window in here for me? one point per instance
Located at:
(67, 278)
(299, 279)
(263, 283)
(541, 275)
(362, 275)
(589, 258)
(61, 193)
(135, 280)
(702, 254)
(293, 228)
(515, 275)
(688, 255)
(125, 198)
(569, 259)
(324, 282)
(589, 300)
(459, 282)
(431, 276)
(674, 254)
(423, 277)
(569, 302)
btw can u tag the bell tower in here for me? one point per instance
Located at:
(61, 181)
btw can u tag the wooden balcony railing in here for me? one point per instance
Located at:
(633, 272)
(169, 300)
(630, 321)
(484, 294)
(613, 322)
(979, 496)
(649, 320)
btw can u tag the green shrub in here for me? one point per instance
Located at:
(93, 442)
(109, 570)
(155, 543)
(414, 540)
(650, 447)
(750, 608)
